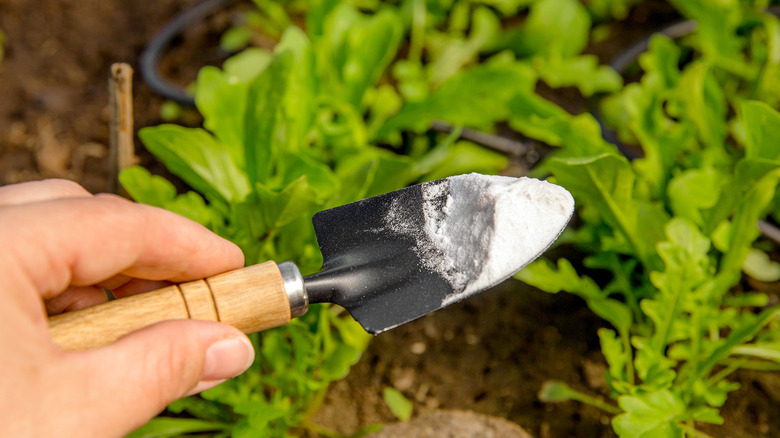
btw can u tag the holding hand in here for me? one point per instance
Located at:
(60, 247)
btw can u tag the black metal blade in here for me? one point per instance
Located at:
(371, 270)
(396, 257)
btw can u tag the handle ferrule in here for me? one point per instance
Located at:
(295, 289)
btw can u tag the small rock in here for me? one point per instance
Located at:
(403, 379)
(453, 424)
(418, 348)
(595, 374)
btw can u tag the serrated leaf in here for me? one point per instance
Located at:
(649, 415)
(605, 182)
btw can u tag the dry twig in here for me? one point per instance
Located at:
(121, 144)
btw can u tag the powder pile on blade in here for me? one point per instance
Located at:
(479, 229)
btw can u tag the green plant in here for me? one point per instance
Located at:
(675, 227)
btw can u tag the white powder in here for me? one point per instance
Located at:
(479, 230)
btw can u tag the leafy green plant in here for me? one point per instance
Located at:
(675, 228)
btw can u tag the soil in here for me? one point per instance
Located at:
(489, 354)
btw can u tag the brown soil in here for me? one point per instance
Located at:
(489, 354)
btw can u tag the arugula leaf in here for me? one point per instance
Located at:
(583, 72)
(605, 182)
(762, 125)
(653, 414)
(558, 27)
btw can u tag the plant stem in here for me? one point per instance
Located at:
(630, 357)
(593, 401)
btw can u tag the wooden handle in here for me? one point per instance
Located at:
(251, 299)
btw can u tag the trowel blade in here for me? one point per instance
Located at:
(396, 257)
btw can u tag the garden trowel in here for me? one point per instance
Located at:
(387, 259)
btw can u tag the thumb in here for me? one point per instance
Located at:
(130, 381)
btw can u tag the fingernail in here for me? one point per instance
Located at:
(227, 358)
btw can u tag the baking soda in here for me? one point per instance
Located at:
(481, 229)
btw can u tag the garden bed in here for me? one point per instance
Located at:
(489, 354)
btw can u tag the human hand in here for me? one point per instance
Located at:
(60, 247)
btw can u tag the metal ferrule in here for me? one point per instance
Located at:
(293, 286)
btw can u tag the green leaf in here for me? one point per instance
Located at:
(762, 125)
(695, 190)
(235, 38)
(740, 335)
(491, 86)
(605, 182)
(398, 404)
(146, 188)
(450, 52)
(559, 27)
(370, 48)
(465, 157)
(758, 265)
(222, 102)
(191, 205)
(617, 358)
(704, 103)
(553, 391)
(337, 365)
(263, 116)
(583, 72)
(199, 159)
(165, 427)
(246, 65)
(300, 105)
(649, 415)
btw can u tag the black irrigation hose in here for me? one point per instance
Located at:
(151, 75)
(154, 50)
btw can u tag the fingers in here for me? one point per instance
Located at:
(132, 380)
(75, 298)
(36, 191)
(85, 241)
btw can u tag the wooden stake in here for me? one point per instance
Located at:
(121, 145)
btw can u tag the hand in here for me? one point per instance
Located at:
(59, 248)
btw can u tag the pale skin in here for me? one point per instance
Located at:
(60, 247)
